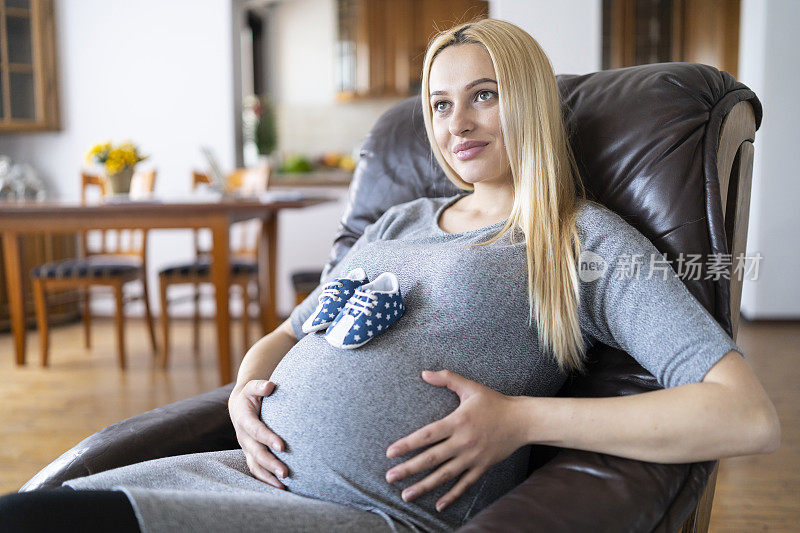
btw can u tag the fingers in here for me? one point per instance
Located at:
(265, 458)
(258, 387)
(447, 378)
(423, 461)
(259, 472)
(253, 434)
(422, 437)
(459, 488)
(444, 473)
(248, 419)
(259, 431)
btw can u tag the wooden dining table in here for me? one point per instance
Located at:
(19, 218)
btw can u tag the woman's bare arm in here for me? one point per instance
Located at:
(244, 404)
(727, 414)
(262, 358)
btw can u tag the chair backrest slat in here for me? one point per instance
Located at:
(244, 235)
(127, 242)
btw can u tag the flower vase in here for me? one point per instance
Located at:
(119, 184)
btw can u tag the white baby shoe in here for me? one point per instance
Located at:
(334, 296)
(368, 313)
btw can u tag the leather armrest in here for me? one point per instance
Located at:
(197, 424)
(579, 490)
(588, 491)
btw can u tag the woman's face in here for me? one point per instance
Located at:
(466, 114)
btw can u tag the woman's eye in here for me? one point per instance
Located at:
(440, 106)
(485, 95)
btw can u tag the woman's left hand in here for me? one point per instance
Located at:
(480, 433)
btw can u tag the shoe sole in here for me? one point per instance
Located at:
(348, 346)
(337, 334)
(316, 328)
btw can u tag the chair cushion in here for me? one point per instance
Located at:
(97, 267)
(203, 268)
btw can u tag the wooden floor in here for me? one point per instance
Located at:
(44, 412)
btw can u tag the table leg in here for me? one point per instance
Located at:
(16, 299)
(220, 277)
(267, 274)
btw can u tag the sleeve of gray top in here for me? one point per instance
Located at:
(647, 311)
(306, 307)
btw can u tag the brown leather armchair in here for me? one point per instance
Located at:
(667, 146)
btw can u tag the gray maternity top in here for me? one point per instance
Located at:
(467, 311)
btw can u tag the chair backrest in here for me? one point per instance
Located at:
(249, 181)
(143, 184)
(127, 242)
(244, 235)
(637, 136)
(669, 148)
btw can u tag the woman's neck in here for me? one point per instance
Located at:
(489, 201)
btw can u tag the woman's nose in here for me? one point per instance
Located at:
(461, 120)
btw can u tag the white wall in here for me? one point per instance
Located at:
(305, 51)
(768, 60)
(569, 31)
(156, 72)
(159, 73)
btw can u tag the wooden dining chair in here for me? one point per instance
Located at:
(120, 257)
(244, 259)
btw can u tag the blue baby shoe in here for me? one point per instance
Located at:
(334, 296)
(368, 313)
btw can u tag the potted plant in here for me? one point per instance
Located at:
(118, 163)
(266, 133)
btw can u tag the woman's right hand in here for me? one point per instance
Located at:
(253, 435)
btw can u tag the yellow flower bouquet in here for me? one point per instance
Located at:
(117, 162)
(115, 158)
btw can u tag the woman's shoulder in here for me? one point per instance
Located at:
(598, 226)
(592, 214)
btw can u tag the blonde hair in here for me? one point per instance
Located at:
(548, 191)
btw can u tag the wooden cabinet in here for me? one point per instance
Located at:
(28, 91)
(382, 43)
(699, 31)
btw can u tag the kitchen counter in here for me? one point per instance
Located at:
(317, 178)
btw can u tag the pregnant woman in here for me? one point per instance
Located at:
(429, 422)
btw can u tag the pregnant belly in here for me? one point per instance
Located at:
(338, 410)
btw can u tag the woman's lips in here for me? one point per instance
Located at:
(468, 153)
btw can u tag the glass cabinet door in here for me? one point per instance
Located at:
(27, 66)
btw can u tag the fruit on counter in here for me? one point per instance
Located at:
(331, 159)
(347, 163)
(296, 163)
